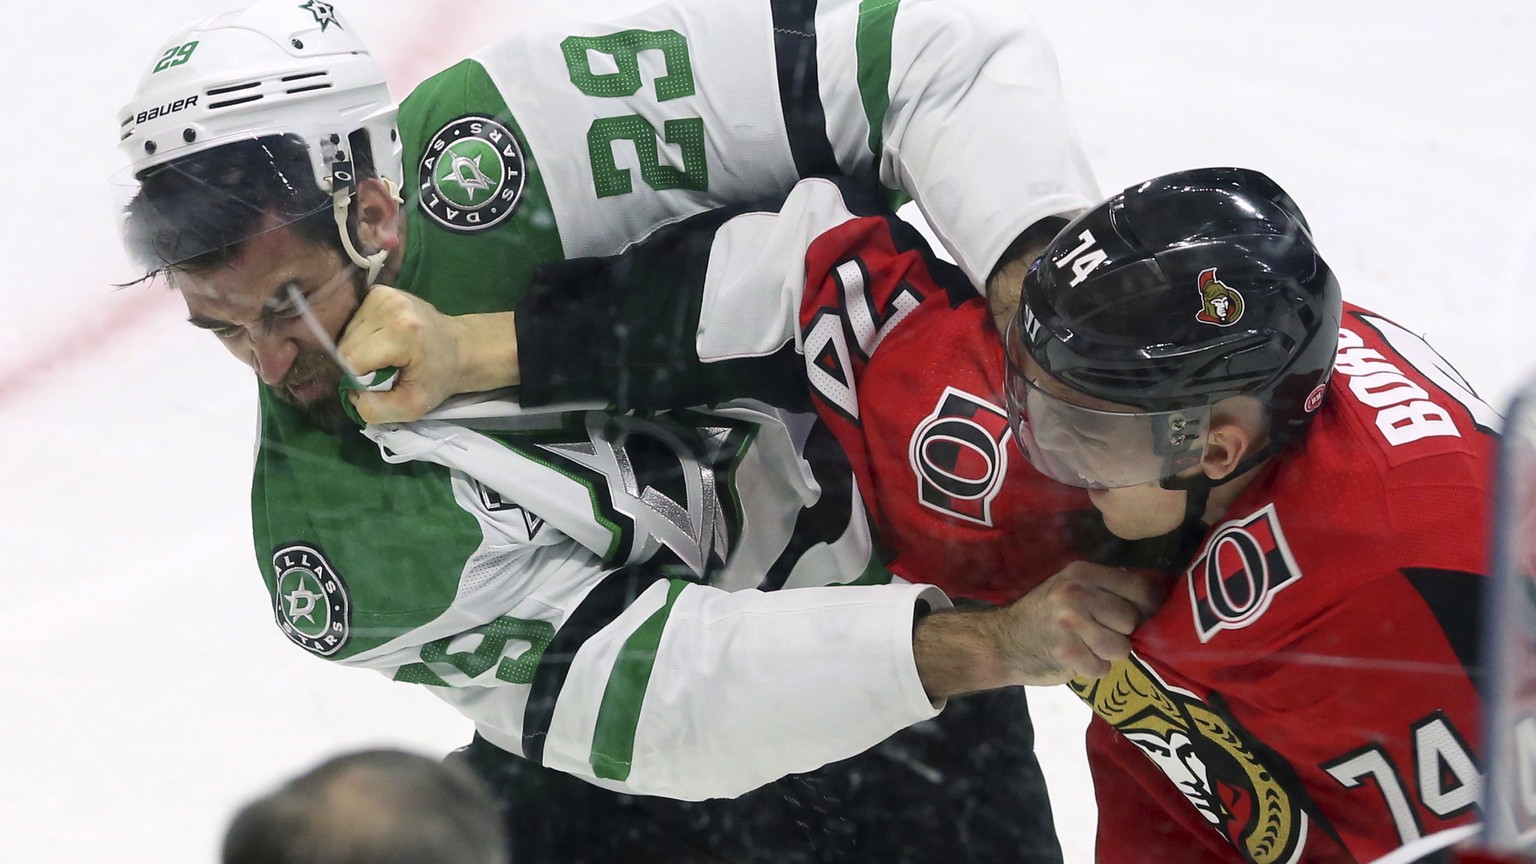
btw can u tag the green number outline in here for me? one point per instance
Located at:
(625, 47)
(493, 645)
(686, 133)
(609, 179)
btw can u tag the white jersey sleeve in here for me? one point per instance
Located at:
(697, 103)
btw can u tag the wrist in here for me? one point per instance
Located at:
(487, 346)
(961, 651)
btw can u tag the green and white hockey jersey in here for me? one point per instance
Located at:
(572, 140)
(601, 593)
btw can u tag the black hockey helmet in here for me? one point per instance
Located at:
(1175, 294)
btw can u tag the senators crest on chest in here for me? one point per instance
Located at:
(1208, 757)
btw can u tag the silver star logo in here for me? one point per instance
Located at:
(467, 173)
(301, 604)
(325, 13)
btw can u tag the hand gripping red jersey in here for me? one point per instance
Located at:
(1307, 692)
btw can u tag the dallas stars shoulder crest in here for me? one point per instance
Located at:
(310, 599)
(471, 174)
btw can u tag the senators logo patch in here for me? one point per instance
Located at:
(1207, 757)
(1219, 304)
(959, 454)
(1241, 568)
(471, 175)
(310, 600)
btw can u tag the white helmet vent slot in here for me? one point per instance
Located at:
(306, 82)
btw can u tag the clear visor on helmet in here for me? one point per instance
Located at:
(1096, 448)
(221, 195)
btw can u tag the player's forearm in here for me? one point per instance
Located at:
(1011, 125)
(704, 311)
(1006, 284)
(961, 652)
(487, 351)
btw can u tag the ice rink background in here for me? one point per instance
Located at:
(145, 692)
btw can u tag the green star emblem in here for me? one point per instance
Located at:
(325, 13)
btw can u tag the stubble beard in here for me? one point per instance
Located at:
(325, 410)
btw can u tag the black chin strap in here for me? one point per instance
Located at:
(1192, 528)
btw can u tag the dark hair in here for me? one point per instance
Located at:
(371, 807)
(195, 213)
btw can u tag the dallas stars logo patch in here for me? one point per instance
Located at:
(325, 13)
(471, 177)
(310, 601)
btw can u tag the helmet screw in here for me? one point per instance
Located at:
(149, 147)
(297, 44)
(335, 139)
(189, 135)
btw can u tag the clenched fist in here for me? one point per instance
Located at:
(438, 355)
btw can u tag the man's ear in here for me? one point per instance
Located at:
(1226, 445)
(378, 215)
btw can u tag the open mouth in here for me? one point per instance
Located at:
(312, 379)
(308, 391)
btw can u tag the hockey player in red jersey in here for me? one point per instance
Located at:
(1309, 685)
(1313, 476)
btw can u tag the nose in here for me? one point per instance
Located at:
(272, 355)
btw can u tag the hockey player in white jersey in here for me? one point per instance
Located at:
(589, 588)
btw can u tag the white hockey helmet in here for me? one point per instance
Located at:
(280, 67)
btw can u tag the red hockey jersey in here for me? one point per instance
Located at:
(1306, 694)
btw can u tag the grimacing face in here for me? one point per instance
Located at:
(246, 304)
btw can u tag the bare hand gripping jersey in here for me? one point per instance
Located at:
(1306, 694)
(557, 575)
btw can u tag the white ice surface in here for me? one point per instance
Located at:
(144, 691)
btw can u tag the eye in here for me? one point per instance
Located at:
(229, 332)
(282, 309)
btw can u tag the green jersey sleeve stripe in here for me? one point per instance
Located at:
(598, 609)
(877, 20)
(613, 738)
